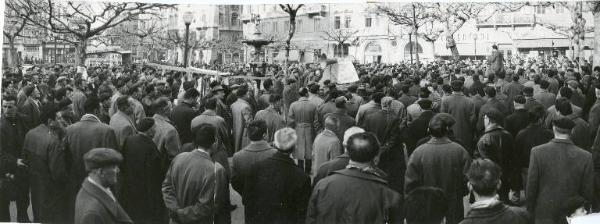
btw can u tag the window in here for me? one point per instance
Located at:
(275, 26)
(317, 24)
(299, 26)
(540, 9)
(221, 20)
(234, 19)
(368, 21)
(337, 23)
(347, 23)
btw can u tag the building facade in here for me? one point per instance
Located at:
(374, 38)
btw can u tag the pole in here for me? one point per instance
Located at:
(475, 46)
(185, 51)
(411, 47)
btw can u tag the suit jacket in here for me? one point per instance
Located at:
(123, 127)
(194, 188)
(181, 117)
(243, 161)
(81, 137)
(141, 178)
(331, 202)
(276, 191)
(558, 170)
(94, 206)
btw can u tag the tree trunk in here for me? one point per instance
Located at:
(596, 38)
(80, 51)
(291, 32)
(432, 49)
(451, 44)
(416, 46)
(11, 59)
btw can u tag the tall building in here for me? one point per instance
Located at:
(374, 39)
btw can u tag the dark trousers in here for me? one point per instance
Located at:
(17, 190)
(305, 165)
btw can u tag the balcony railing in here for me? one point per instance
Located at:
(504, 20)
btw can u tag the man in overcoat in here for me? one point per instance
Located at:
(341, 114)
(326, 145)
(272, 116)
(141, 176)
(44, 153)
(461, 108)
(95, 203)
(209, 116)
(183, 114)
(558, 170)
(335, 199)
(121, 122)
(165, 137)
(276, 190)
(440, 163)
(81, 137)
(302, 117)
(242, 116)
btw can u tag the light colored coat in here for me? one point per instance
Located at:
(325, 147)
(166, 136)
(274, 120)
(123, 126)
(302, 117)
(242, 116)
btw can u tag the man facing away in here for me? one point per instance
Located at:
(193, 188)
(558, 170)
(335, 199)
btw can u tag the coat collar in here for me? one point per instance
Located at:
(113, 207)
(329, 133)
(258, 146)
(490, 211)
(209, 113)
(494, 127)
(442, 140)
(283, 157)
(361, 175)
(562, 141)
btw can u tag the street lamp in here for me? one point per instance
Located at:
(475, 45)
(187, 19)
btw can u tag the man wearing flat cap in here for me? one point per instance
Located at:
(440, 163)
(558, 170)
(95, 201)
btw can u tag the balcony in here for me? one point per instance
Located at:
(508, 20)
(316, 10)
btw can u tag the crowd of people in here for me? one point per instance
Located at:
(406, 143)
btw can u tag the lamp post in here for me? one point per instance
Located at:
(475, 45)
(187, 19)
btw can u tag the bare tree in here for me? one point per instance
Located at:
(342, 37)
(14, 24)
(148, 30)
(291, 10)
(78, 22)
(595, 7)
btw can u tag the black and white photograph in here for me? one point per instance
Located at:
(306, 111)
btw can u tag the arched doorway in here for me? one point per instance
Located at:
(416, 48)
(373, 53)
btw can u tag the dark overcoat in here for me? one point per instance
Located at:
(462, 110)
(498, 145)
(558, 170)
(276, 191)
(181, 117)
(516, 122)
(141, 178)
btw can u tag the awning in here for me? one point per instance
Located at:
(294, 55)
(547, 43)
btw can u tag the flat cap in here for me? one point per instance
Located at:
(563, 123)
(101, 157)
(285, 139)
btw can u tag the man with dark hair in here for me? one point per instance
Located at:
(529, 100)
(80, 138)
(209, 116)
(406, 99)
(545, 97)
(512, 89)
(95, 201)
(558, 170)
(377, 203)
(242, 115)
(353, 101)
(533, 135)
(12, 134)
(519, 119)
(414, 110)
(425, 205)
(263, 100)
(257, 150)
(272, 116)
(276, 190)
(552, 114)
(461, 108)
(142, 176)
(497, 144)
(440, 163)
(302, 117)
(313, 94)
(372, 106)
(492, 104)
(122, 121)
(43, 151)
(78, 98)
(325, 108)
(484, 182)
(183, 113)
(195, 187)
(165, 136)
(30, 109)
(417, 129)
(581, 133)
